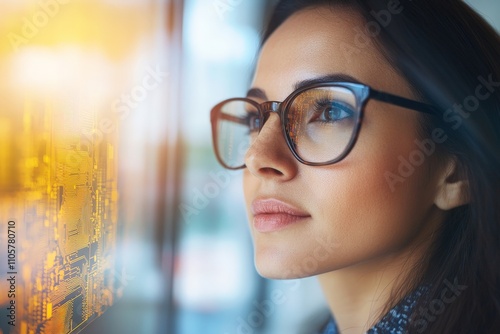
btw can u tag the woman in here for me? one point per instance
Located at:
(376, 164)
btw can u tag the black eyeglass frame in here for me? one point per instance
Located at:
(362, 93)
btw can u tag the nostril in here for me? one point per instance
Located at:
(269, 171)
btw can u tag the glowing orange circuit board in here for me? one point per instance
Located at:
(58, 186)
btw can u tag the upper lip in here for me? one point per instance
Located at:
(273, 205)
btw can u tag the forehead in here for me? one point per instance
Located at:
(319, 41)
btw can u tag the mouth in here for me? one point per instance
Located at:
(271, 215)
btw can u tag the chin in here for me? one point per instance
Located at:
(273, 272)
(278, 265)
(271, 264)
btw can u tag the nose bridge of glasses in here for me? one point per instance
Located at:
(268, 107)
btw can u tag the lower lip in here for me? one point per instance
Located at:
(270, 222)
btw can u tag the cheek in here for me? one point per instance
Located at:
(359, 207)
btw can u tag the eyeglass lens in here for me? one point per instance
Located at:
(319, 123)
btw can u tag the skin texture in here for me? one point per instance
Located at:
(361, 237)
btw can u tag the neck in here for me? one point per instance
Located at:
(358, 295)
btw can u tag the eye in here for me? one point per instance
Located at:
(253, 121)
(328, 111)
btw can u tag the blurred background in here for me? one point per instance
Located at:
(124, 221)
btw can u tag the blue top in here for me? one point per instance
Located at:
(394, 322)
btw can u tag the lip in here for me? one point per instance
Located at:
(271, 214)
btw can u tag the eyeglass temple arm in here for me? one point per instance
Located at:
(403, 102)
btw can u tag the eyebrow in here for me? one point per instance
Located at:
(335, 77)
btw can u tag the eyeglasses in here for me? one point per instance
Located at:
(320, 122)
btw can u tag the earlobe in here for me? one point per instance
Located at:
(453, 187)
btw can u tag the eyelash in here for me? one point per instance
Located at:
(319, 108)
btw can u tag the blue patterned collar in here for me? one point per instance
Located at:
(394, 322)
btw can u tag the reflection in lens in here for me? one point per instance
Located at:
(237, 125)
(321, 122)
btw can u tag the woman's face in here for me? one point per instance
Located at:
(308, 220)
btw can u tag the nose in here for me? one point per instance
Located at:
(269, 156)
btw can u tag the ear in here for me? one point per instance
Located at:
(452, 187)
